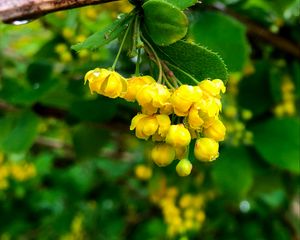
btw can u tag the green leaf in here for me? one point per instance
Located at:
(6, 124)
(232, 45)
(194, 60)
(277, 141)
(77, 179)
(165, 23)
(152, 229)
(296, 77)
(182, 4)
(39, 71)
(43, 164)
(88, 140)
(105, 36)
(273, 199)
(275, 81)
(106, 165)
(23, 134)
(232, 172)
(91, 110)
(35, 93)
(254, 90)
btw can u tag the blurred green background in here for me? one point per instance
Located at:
(70, 168)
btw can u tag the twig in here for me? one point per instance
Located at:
(52, 143)
(7, 107)
(255, 30)
(17, 10)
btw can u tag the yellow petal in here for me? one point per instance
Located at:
(136, 119)
(164, 123)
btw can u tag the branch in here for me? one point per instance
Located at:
(17, 10)
(255, 30)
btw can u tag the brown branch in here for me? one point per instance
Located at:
(17, 10)
(256, 30)
(7, 107)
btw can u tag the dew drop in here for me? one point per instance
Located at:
(96, 73)
(36, 86)
(244, 206)
(20, 22)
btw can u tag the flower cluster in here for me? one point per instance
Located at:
(182, 214)
(234, 118)
(287, 106)
(18, 171)
(170, 117)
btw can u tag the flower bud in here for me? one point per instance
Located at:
(184, 167)
(215, 131)
(143, 172)
(178, 136)
(206, 149)
(163, 154)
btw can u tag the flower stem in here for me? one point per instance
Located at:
(121, 46)
(156, 58)
(137, 65)
(184, 72)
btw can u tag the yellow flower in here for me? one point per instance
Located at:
(153, 96)
(22, 172)
(220, 85)
(166, 109)
(213, 87)
(95, 78)
(163, 154)
(231, 111)
(135, 84)
(215, 131)
(4, 171)
(105, 82)
(183, 98)
(178, 136)
(194, 120)
(184, 168)
(289, 108)
(209, 106)
(200, 216)
(3, 184)
(143, 172)
(206, 149)
(68, 33)
(113, 86)
(148, 125)
(186, 200)
(61, 48)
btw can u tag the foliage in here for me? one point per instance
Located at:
(71, 169)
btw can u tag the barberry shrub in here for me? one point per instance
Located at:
(178, 103)
(121, 121)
